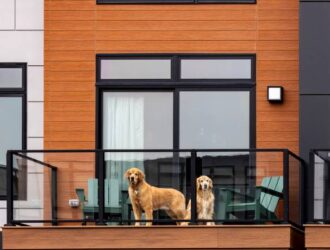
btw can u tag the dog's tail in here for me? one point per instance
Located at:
(188, 211)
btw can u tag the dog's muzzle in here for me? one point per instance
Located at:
(131, 179)
(204, 186)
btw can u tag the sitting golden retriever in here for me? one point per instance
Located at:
(204, 200)
(147, 198)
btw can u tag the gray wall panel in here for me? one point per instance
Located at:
(315, 47)
(314, 123)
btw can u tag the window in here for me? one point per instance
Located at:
(175, 68)
(136, 69)
(173, 1)
(180, 101)
(12, 113)
(163, 101)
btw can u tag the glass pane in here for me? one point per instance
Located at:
(10, 77)
(217, 119)
(135, 69)
(137, 120)
(216, 69)
(164, 170)
(246, 185)
(10, 132)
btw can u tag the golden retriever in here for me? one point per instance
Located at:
(147, 198)
(204, 200)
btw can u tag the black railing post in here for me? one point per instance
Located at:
(193, 171)
(302, 202)
(10, 192)
(286, 185)
(100, 177)
(310, 187)
(54, 196)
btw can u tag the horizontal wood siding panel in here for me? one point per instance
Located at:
(192, 237)
(317, 236)
(177, 25)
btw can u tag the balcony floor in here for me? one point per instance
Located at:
(155, 237)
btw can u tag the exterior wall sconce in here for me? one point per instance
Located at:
(275, 94)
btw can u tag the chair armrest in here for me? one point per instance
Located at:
(235, 192)
(81, 195)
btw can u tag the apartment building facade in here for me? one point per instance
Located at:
(164, 75)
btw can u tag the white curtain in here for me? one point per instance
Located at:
(123, 128)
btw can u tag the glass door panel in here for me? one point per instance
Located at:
(138, 120)
(214, 119)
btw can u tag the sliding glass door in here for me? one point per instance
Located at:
(182, 119)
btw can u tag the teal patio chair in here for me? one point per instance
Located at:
(89, 204)
(263, 206)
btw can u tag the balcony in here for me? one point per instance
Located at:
(318, 228)
(258, 195)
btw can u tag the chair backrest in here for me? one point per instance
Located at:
(92, 192)
(111, 192)
(272, 188)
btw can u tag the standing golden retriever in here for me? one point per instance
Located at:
(204, 200)
(147, 198)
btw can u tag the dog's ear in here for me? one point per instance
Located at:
(127, 174)
(141, 175)
(211, 184)
(197, 183)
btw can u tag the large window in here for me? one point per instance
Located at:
(173, 1)
(176, 101)
(12, 113)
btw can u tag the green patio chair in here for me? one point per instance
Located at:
(262, 206)
(112, 204)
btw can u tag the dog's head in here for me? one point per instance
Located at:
(204, 183)
(134, 176)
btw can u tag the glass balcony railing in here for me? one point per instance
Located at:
(88, 186)
(320, 163)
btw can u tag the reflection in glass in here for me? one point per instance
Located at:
(10, 77)
(214, 119)
(136, 69)
(216, 69)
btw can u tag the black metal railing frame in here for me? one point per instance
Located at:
(10, 183)
(311, 217)
(100, 175)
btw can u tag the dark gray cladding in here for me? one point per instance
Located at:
(314, 82)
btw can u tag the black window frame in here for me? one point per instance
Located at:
(176, 1)
(175, 84)
(18, 92)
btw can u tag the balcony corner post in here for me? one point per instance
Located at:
(10, 193)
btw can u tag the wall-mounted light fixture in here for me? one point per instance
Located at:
(275, 94)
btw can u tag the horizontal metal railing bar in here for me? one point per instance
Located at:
(154, 221)
(146, 150)
(321, 156)
(295, 156)
(35, 160)
(320, 150)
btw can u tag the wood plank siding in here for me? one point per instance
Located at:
(76, 30)
(192, 237)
